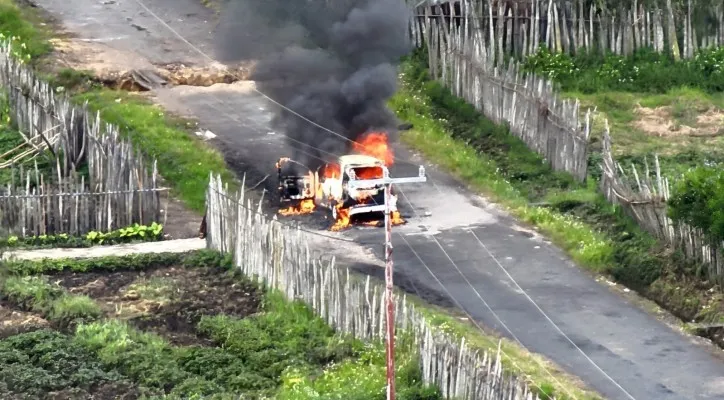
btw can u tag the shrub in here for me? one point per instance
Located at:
(698, 200)
(643, 71)
(42, 361)
(284, 335)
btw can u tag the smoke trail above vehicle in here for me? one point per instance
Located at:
(333, 62)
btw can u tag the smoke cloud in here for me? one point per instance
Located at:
(334, 62)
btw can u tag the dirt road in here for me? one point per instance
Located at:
(504, 276)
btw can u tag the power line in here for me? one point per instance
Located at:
(530, 299)
(225, 68)
(477, 293)
(236, 74)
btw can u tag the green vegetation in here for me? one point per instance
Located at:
(654, 105)
(575, 216)
(644, 71)
(183, 160)
(39, 295)
(281, 347)
(22, 27)
(36, 363)
(130, 234)
(109, 264)
(657, 106)
(698, 200)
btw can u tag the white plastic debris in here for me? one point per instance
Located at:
(206, 134)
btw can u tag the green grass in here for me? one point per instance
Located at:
(677, 152)
(183, 160)
(24, 24)
(38, 294)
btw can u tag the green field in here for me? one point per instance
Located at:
(177, 326)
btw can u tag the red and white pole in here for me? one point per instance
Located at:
(388, 297)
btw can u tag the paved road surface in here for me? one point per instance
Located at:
(519, 284)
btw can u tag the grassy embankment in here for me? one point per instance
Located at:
(575, 216)
(183, 160)
(186, 163)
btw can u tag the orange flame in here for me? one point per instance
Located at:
(332, 171)
(305, 207)
(375, 144)
(343, 219)
(369, 173)
(396, 218)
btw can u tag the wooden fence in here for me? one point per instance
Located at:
(99, 182)
(643, 197)
(519, 27)
(281, 258)
(461, 60)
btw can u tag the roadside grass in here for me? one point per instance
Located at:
(574, 216)
(183, 160)
(28, 27)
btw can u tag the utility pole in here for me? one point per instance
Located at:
(389, 301)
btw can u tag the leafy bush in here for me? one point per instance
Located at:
(254, 353)
(698, 200)
(284, 335)
(133, 233)
(32, 364)
(643, 71)
(146, 358)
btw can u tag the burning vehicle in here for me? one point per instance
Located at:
(296, 192)
(353, 185)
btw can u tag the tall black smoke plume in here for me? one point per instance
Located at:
(332, 61)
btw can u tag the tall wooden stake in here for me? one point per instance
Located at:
(388, 297)
(387, 182)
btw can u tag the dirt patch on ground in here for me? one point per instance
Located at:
(181, 222)
(168, 301)
(119, 69)
(15, 322)
(663, 122)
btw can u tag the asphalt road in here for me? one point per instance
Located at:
(503, 275)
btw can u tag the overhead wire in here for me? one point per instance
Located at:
(182, 38)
